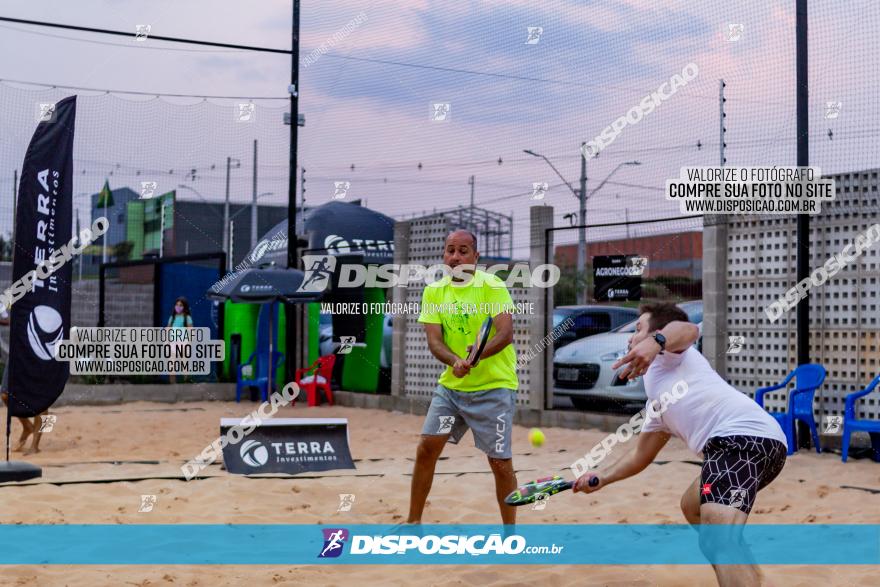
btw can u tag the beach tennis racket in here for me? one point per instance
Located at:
(480, 343)
(535, 490)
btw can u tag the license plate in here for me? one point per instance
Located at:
(567, 374)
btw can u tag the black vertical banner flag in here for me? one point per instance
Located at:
(41, 317)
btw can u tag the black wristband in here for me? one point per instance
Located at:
(661, 340)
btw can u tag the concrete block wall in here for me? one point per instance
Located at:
(715, 337)
(844, 312)
(127, 304)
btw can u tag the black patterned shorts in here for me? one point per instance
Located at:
(735, 468)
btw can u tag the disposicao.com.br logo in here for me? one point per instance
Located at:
(448, 544)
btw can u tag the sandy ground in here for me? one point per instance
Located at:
(86, 441)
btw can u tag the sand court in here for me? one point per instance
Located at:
(99, 460)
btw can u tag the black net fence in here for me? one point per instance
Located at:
(478, 104)
(155, 153)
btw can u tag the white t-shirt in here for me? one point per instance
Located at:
(710, 406)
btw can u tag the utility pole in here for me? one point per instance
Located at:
(722, 115)
(226, 216)
(226, 236)
(472, 181)
(582, 232)
(107, 234)
(803, 160)
(79, 258)
(302, 196)
(14, 207)
(254, 236)
(292, 312)
(161, 230)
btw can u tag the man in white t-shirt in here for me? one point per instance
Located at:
(743, 447)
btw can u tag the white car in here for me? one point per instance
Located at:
(582, 370)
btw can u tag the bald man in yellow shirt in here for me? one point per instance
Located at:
(481, 398)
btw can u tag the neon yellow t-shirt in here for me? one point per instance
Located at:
(461, 310)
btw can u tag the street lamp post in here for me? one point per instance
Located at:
(229, 161)
(582, 230)
(199, 194)
(581, 195)
(582, 218)
(582, 241)
(550, 163)
(225, 211)
(263, 195)
(604, 181)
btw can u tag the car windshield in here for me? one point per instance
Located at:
(584, 322)
(694, 310)
(559, 316)
(628, 327)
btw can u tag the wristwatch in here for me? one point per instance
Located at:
(661, 340)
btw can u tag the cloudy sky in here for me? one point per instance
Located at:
(367, 98)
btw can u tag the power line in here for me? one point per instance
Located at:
(71, 27)
(129, 46)
(392, 166)
(639, 91)
(344, 57)
(384, 180)
(156, 94)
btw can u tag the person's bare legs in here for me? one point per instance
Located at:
(728, 541)
(26, 430)
(37, 427)
(505, 482)
(690, 503)
(427, 453)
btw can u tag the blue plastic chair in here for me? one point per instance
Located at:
(259, 359)
(852, 424)
(808, 378)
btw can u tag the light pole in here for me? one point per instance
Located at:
(201, 197)
(604, 181)
(230, 225)
(263, 195)
(582, 215)
(254, 236)
(582, 196)
(582, 242)
(79, 258)
(582, 229)
(229, 161)
(550, 163)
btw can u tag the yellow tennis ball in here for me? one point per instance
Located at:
(536, 437)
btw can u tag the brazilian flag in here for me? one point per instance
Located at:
(105, 198)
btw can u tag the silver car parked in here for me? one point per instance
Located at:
(582, 370)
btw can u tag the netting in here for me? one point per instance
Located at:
(541, 77)
(432, 108)
(153, 144)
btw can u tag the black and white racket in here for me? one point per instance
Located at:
(480, 343)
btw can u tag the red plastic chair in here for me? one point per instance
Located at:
(323, 368)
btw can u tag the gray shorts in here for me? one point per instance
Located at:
(489, 414)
